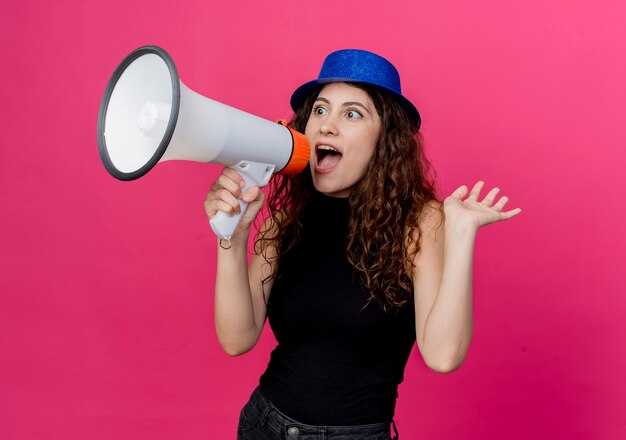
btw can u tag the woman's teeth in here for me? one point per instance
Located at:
(326, 147)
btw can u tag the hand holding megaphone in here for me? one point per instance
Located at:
(148, 115)
(231, 195)
(224, 225)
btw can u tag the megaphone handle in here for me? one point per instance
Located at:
(253, 173)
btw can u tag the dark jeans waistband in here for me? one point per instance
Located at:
(283, 424)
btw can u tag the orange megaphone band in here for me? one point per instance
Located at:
(300, 154)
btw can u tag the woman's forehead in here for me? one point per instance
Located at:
(341, 91)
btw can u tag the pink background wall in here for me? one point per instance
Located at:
(106, 315)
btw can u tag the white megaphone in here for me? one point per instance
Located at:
(148, 115)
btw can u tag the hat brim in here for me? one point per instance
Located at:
(299, 95)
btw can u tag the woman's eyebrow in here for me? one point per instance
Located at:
(345, 104)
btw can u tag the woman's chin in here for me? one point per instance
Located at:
(330, 190)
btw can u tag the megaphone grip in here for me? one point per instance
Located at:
(253, 173)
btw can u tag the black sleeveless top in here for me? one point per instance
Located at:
(336, 362)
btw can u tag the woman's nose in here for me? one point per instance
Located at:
(329, 126)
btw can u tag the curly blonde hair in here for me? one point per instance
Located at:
(386, 204)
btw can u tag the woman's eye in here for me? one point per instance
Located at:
(319, 110)
(353, 114)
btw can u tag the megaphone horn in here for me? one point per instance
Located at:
(148, 115)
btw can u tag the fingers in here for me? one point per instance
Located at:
(255, 199)
(498, 206)
(476, 190)
(253, 193)
(231, 181)
(234, 176)
(508, 214)
(460, 192)
(225, 193)
(221, 200)
(513, 212)
(489, 198)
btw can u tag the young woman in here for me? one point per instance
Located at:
(356, 262)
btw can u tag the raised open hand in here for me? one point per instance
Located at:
(474, 213)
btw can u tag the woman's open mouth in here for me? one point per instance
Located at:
(326, 158)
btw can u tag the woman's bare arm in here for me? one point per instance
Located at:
(240, 309)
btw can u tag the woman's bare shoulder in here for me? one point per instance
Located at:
(432, 215)
(429, 219)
